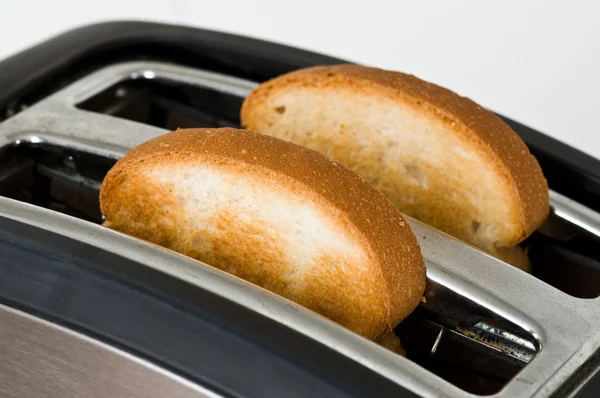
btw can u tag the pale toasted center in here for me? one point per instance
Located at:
(272, 231)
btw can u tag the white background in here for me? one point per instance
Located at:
(535, 61)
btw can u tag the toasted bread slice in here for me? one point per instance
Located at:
(437, 156)
(273, 213)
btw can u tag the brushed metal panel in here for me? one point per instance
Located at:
(40, 359)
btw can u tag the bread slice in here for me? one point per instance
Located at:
(437, 156)
(273, 213)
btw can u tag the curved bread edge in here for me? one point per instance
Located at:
(495, 138)
(389, 236)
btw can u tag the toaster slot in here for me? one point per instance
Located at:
(474, 366)
(167, 104)
(60, 179)
(448, 331)
(465, 343)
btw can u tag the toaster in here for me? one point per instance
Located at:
(88, 312)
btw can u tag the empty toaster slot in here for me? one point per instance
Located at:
(166, 104)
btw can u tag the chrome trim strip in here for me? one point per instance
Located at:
(575, 213)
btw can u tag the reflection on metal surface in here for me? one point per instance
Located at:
(40, 359)
(509, 343)
(575, 214)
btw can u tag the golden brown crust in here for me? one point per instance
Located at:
(502, 145)
(389, 236)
